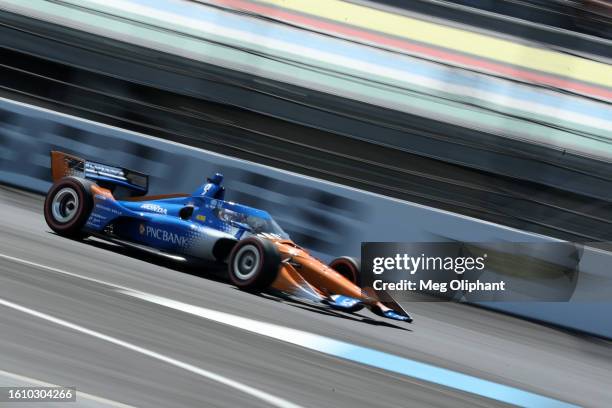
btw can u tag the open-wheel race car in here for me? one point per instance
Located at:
(201, 225)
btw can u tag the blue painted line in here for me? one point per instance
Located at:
(447, 378)
(382, 58)
(367, 356)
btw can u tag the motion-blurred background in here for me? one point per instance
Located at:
(495, 110)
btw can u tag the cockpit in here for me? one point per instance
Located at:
(252, 223)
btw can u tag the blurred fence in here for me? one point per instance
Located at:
(328, 218)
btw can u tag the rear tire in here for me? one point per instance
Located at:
(348, 267)
(253, 264)
(68, 205)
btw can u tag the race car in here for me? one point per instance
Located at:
(202, 225)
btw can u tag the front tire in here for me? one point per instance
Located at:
(348, 267)
(68, 205)
(253, 264)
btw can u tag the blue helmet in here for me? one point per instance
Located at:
(216, 179)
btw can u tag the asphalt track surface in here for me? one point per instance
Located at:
(495, 347)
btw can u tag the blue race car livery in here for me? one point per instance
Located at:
(203, 226)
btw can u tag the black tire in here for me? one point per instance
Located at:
(253, 264)
(68, 205)
(348, 267)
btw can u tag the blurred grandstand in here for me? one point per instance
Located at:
(593, 17)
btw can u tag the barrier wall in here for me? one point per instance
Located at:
(329, 219)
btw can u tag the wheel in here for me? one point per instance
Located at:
(253, 264)
(348, 267)
(68, 205)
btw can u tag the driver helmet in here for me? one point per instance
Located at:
(216, 179)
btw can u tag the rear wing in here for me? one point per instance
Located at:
(64, 164)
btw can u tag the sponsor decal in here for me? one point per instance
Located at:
(201, 218)
(104, 170)
(163, 235)
(212, 204)
(110, 210)
(155, 208)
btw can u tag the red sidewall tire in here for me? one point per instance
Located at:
(82, 189)
(265, 267)
(348, 267)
